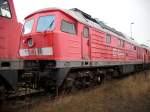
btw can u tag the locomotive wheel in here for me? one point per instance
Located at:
(116, 74)
(99, 79)
(68, 85)
(2, 94)
(71, 84)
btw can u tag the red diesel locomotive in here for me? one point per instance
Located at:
(62, 49)
(70, 48)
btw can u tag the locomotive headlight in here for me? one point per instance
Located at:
(30, 42)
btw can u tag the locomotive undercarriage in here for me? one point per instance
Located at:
(68, 78)
(2, 91)
(55, 79)
(43, 75)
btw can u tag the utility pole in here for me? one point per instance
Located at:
(148, 42)
(131, 29)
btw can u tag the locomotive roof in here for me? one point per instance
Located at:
(86, 19)
(145, 46)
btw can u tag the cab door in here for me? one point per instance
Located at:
(85, 43)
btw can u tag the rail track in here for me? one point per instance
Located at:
(29, 98)
(24, 100)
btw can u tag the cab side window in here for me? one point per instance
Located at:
(108, 38)
(68, 27)
(86, 32)
(4, 9)
(121, 43)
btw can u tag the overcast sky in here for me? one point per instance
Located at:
(116, 13)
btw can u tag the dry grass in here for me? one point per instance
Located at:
(130, 94)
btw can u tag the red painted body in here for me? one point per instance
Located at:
(70, 47)
(10, 31)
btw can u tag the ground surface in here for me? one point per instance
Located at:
(128, 94)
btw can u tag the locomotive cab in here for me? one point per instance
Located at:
(50, 35)
(37, 36)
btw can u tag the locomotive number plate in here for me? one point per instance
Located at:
(36, 51)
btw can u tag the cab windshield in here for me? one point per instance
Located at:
(45, 23)
(4, 9)
(28, 26)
